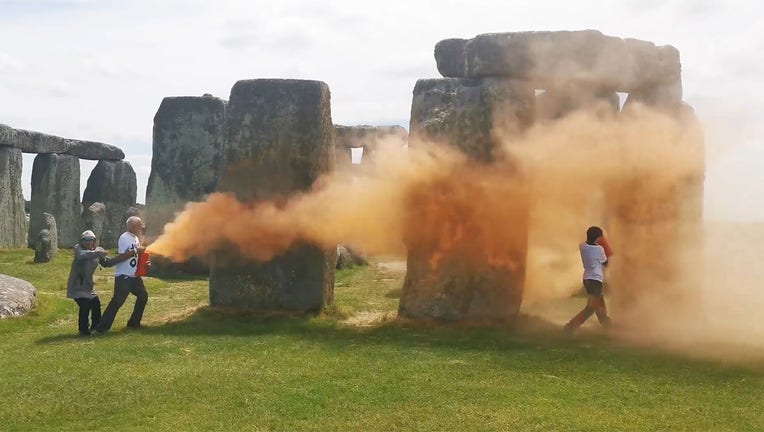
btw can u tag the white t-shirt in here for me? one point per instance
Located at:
(593, 257)
(127, 241)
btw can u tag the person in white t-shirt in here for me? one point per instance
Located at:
(125, 280)
(594, 257)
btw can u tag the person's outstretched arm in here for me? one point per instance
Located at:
(107, 261)
(86, 254)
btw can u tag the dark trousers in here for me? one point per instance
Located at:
(89, 308)
(594, 305)
(122, 287)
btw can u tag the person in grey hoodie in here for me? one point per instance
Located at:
(81, 287)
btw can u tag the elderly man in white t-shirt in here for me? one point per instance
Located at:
(125, 280)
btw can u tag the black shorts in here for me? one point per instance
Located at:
(593, 287)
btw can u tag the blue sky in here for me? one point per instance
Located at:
(98, 70)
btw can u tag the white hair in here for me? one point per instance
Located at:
(134, 220)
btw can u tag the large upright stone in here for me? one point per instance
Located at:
(185, 164)
(551, 58)
(279, 141)
(12, 217)
(112, 183)
(478, 274)
(641, 209)
(56, 190)
(469, 113)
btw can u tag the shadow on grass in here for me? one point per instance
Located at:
(522, 334)
(542, 340)
(67, 337)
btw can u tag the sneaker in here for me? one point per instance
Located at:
(568, 329)
(97, 332)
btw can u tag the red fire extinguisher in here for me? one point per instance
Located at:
(602, 241)
(144, 263)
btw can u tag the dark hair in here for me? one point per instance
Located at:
(593, 233)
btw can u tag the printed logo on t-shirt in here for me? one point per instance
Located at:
(133, 260)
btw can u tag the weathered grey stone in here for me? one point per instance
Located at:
(558, 102)
(344, 259)
(639, 210)
(185, 164)
(56, 190)
(112, 183)
(94, 219)
(347, 257)
(370, 138)
(359, 258)
(456, 291)
(17, 297)
(46, 245)
(32, 142)
(449, 56)
(548, 59)
(37, 142)
(468, 113)
(668, 95)
(279, 141)
(95, 150)
(12, 216)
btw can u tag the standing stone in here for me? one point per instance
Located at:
(46, 246)
(279, 141)
(478, 276)
(185, 165)
(344, 259)
(12, 216)
(112, 183)
(56, 190)
(641, 211)
(94, 219)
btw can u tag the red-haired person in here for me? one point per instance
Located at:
(595, 252)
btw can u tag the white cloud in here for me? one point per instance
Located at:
(8, 64)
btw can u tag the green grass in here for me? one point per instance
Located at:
(197, 368)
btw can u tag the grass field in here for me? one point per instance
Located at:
(353, 368)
